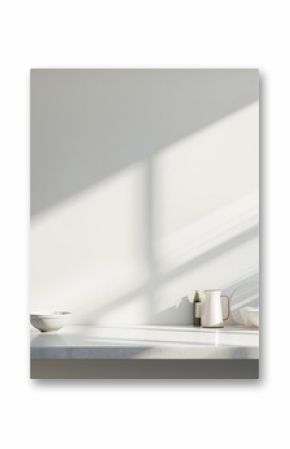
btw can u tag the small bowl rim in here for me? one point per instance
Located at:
(52, 315)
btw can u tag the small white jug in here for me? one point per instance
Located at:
(212, 314)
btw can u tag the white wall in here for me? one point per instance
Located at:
(144, 187)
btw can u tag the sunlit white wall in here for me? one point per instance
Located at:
(132, 247)
(89, 250)
(206, 209)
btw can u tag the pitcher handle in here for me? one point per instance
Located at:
(228, 298)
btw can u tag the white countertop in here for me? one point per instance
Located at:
(145, 342)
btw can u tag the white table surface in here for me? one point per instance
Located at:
(145, 342)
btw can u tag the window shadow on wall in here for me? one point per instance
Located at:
(88, 125)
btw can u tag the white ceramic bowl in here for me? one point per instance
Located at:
(250, 316)
(50, 321)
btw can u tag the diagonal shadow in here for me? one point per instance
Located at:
(160, 278)
(88, 124)
(79, 124)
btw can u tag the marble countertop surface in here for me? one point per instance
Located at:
(145, 342)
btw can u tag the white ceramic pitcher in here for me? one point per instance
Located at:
(215, 309)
